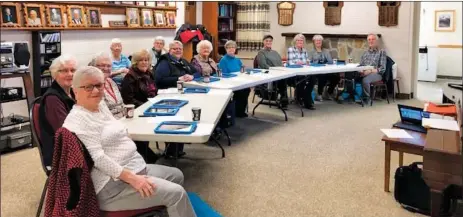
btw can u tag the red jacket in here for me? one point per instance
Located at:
(70, 188)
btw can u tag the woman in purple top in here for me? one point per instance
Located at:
(56, 103)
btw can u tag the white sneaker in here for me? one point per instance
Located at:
(318, 98)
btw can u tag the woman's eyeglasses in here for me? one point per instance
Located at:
(90, 87)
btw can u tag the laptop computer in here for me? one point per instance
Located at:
(410, 119)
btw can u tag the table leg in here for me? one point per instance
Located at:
(387, 166)
(436, 199)
(401, 158)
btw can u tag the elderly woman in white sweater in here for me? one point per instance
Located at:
(122, 179)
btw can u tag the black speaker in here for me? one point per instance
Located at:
(21, 54)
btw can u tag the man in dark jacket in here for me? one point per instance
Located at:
(172, 67)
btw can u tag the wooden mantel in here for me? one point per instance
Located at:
(310, 35)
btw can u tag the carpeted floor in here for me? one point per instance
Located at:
(328, 163)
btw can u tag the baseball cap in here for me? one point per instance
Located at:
(267, 36)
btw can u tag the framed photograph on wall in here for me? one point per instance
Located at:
(128, 3)
(34, 15)
(444, 21)
(151, 4)
(171, 4)
(55, 15)
(147, 16)
(141, 3)
(133, 20)
(170, 18)
(159, 18)
(94, 17)
(161, 4)
(76, 16)
(10, 14)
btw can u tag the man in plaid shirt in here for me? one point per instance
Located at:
(372, 57)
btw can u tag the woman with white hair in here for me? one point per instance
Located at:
(56, 102)
(172, 67)
(297, 55)
(112, 95)
(322, 56)
(120, 62)
(204, 65)
(230, 63)
(157, 50)
(121, 178)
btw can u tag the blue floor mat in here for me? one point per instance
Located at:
(202, 209)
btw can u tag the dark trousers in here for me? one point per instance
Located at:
(171, 147)
(333, 78)
(145, 151)
(282, 87)
(304, 90)
(241, 100)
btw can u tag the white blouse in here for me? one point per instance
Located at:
(107, 141)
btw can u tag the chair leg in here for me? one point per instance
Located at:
(398, 87)
(228, 137)
(157, 145)
(387, 94)
(372, 94)
(254, 96)
(42, 198)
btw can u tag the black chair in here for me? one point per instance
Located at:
(381, 86)
(34, 121)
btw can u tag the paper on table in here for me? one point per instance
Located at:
(396, 133)
(442, 124)
(166, 91)
(159, 119)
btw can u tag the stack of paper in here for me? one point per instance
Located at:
(441, 124)
(396, 133)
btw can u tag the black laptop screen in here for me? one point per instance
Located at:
(411, 115)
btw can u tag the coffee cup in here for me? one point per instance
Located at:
(180, 86)
(196, 113)
(129, 110)
(206, 79)
(335, 61)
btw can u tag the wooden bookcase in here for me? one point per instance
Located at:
(219, 18)
(46, 46)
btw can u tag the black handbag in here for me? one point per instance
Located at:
(413, 194)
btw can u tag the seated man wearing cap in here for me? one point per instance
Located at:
(267, 58)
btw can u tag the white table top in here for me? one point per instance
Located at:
(312, 70)
(212, 106)
(244, 80)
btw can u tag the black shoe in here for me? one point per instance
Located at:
(243, 115)
(172, 156)
(310, 106)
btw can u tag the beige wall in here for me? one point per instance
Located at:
(357, 18)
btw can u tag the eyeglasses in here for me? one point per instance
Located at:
(90, 87)
(67, 70)
(177, 48)
(104, 65)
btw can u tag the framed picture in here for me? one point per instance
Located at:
(141, 3)
(34, 15)
(170, 18)
(55, 15)
(76, 16)
(444, 21)
(133, 20)
(10, 14)
(161, 4)
(151, 4)
(94, 17)
(159, 18)
(171, 4)
(128, 3)
(147, 16)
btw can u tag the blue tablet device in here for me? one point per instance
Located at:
(154, 111)
(253, 71)
(317, 65)
(196, 90)
(211, 79)
(170, 103)
(228, 75)
(294, 66)
(176, 127)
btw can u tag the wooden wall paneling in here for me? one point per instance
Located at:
(190, 12)
(210, 21)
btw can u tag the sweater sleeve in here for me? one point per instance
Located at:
(128, 91)
(163, 78)
(262, 61)
(55, 112)
(90, 135)
(382, 62)
(329, 59)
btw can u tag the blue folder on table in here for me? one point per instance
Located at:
(211, 79)
(196, 90)
(253, 70)
(154, 111)
(176, 127)
(294, 66)
(228, 75)
(317, 65)
(170, 103)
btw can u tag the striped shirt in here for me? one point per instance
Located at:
(295, 55)
(375, 58)
(124, 62)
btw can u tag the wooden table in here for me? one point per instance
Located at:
(410, 146)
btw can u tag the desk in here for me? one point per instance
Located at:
(142, 128)
(452, 94)
(328, 69)
(410, 146)
(243, 80)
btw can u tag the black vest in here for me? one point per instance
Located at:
(47, 134)
(177, 68)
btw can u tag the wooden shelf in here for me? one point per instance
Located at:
(12, 100)
(84, 28)
(95, 4)
(18, 74)
(310, 35)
